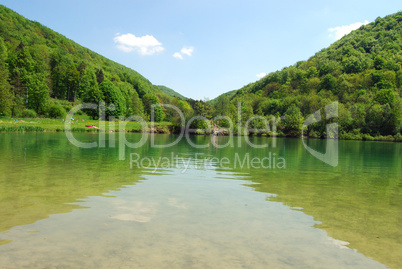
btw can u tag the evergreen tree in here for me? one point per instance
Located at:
(115, 103)
(6, 97)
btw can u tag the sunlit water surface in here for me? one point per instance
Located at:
(67, 207)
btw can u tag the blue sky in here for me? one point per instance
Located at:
(203, 48)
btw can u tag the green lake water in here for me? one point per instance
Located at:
(62, 206)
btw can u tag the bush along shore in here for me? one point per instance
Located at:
(263, 133)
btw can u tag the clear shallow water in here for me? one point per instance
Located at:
(61, 206)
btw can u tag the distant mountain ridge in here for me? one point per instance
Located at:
(171, 92)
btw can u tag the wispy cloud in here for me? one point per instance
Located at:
(144, 45)
(184, 51)
(340, 31)
(178, 55)
(261, 75)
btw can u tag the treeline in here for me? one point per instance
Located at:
(42, 73)
(362, 71)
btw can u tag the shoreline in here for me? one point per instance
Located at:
(83, 125)
(31, 129)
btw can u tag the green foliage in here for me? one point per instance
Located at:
(21, 128)
(115, 103)
(312, 72)
(353, 135)
(159, 115)
(294, 120)
(379, 63)
(56, 110)
(328, 83)
(185, 107)
(171, 92)
(100, 77)
(152, 107)
(37, 93)
(203, 109)
(93, 96)
(398, 78)
(29, 113)
(270, 88)
(353, 64)
(222, 106)
(6, 96)
(345, 118)
(136, 105)
(200, 125)
(385, 96)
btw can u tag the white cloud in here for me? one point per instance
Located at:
(184, 51)
(187, 50)
(340, 31)
(261, 75)
(144, 45)
(177, 55)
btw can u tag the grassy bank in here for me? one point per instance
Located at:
(77, 125)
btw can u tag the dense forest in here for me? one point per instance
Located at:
(362, 71)
(44, 74)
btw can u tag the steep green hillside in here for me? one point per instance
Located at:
(45, 72)
(362, 71)
(171, 92)
(229, 94)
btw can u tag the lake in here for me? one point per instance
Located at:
(198, 203)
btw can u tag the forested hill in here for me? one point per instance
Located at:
(171, 92)
(362, 71)
(44, 72)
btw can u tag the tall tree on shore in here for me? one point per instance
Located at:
(115, 103)
(6, 97)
